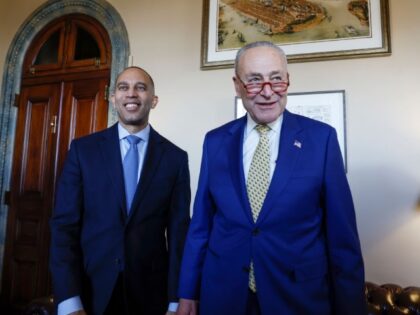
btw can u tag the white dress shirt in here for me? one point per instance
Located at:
(251, 139)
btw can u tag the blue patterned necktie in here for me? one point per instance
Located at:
(131, 168)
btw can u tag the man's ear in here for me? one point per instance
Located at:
(155, 101)
(237, 86)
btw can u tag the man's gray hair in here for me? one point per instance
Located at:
(257, 44)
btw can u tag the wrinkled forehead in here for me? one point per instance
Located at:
(262, 60)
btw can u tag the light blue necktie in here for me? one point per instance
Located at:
(131, 169)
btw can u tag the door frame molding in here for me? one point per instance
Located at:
(102, 11)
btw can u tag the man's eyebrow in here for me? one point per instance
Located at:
(260, 75)
(126, 83)
(254, 74)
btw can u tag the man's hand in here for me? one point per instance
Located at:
(81, 312)
(187, 307)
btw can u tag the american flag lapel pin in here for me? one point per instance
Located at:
(297, 144)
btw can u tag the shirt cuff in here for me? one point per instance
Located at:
(70, 305)
(172, 307)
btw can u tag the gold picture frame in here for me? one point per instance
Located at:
(223, 22)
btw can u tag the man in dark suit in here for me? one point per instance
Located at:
(116, 247)
(273, 229)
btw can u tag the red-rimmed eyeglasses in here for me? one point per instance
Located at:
(254, 88)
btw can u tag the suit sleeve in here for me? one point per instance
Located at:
(179, 219)
(198, 235)
(345, 257)
(65, 223)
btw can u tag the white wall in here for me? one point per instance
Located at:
(383, 135)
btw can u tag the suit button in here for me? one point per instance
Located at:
(246, 269)
(255, 232)
(117, 261)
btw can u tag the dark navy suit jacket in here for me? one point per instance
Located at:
(304, 245)
(93, 239)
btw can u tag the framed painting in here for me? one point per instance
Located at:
(306, 30)
(325, 106)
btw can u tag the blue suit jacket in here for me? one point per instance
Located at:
(304, 245)
(93, 240)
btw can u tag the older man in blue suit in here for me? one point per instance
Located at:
(121, 213)
(273, 230)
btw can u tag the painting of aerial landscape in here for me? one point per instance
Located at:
(288, 22)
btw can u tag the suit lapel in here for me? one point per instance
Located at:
(291, 140)
(110, 147)
(236, 164)
(152, 159)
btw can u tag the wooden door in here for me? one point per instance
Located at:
(62, 97)
(30, 201)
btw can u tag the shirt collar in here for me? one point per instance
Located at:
(142, 134)
(274, 125)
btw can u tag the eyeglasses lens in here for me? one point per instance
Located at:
(278, 87)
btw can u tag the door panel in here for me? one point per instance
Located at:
(86, 111)
(30, 203)
(88, 107)
(35, 144)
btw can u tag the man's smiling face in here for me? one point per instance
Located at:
(133, 99)
(262, 65)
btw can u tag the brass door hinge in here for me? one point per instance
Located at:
(53, 124)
